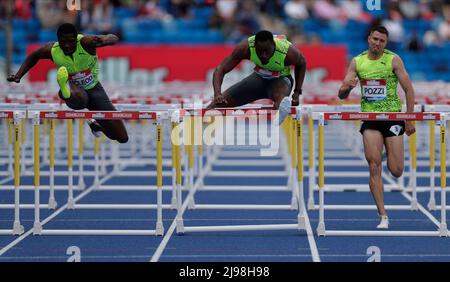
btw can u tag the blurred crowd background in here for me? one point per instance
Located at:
(419, 29)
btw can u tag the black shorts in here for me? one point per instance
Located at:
(96, 100)
(387, 128)
(254, 87)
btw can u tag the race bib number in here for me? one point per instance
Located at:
(267, 74)
(82, 79)
(374, 90)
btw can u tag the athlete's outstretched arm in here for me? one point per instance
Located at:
(96, 41)
(39, 54)
(295, 58)
(405, 82)
(349, 82)
(239, 53)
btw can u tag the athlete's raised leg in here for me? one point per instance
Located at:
(281, 88)
(250, 89)
(280, 91)
(99, 101)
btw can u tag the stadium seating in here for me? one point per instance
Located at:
(432, 63)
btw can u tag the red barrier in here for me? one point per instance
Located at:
(151, 64)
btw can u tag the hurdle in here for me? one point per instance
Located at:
(29, 162)
(313, 113)
(8, 142)
(69, 116)
(52, 203)
(445, 110)
(8, 128)
(321, 230)
(144, 159)
(16, 117)
(298, 174)
(243, 112)
(240, 112)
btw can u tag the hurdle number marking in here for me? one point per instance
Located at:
(75, 253)
(375, 252)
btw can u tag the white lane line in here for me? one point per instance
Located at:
(312, 242)
(310, 234)
(172, 227)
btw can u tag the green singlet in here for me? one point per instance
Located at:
(275, 67)
(378, 83)
(82, 67)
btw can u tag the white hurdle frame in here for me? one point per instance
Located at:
(17, 117)
(313, 115)
(296, 183)
(321, 230)
(284, 161)
(445, 110)
(69, 116)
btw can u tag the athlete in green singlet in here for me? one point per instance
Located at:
(379, 72)
(76, 58)
(271, 79)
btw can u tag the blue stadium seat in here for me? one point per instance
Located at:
(148, 25)
(156, 36)
(204, 12)
(214, 36)
(19, 24)
(136, 36)
(33, 25)
(165, 4)
(424, 25)
(19, 58)
(19, 36)
(445, 76)
(175, 37)
(194, 24)
(181, 24)
(410, 24)
(311, 25)
(192, 37)
(47, 35)
(123, 13)
(354, 26)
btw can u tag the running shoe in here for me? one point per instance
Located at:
(95, 128)
(284, 109)
(62, 76)
(384, 223)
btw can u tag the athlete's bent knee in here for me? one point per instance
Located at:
(396, 171)
(122, 138)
